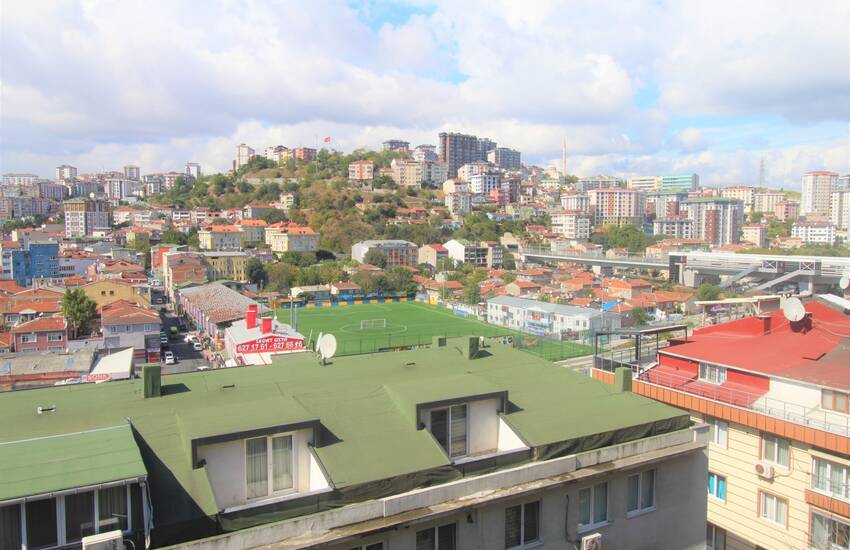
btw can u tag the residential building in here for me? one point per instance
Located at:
(396, 145)
(483, 183)
(213, 307)
(36, 261)
(85, 217)
(814, 232)
(19, 179)
(766, 201)
(716, 220)
(286, 201)
(432, 254)
(255, 211)
(169, 179)
(743, 193)
(434, 173)
(615, 206)
(572, 224)
(220, 237)
(244, 155)
(66, 172)
(396, 252)
(686, 182)
(193, 170)
(505, 159)
(258, 341)
(775, 394)
(253, 231)
(128, 325)
(226, 265)
(755, 233)
(288, 236)
(787, 210)
(480, 254)
(41, 334)
(75, 263)
(647, 184)
(107, 291)
(425, 153)
(546, 319)
(361, 170)
(677, 227)
(459, 149)
(575, 201)
(598, 182)
(118, 189)
(459, 204)
(465, 172)
(278, 153)
(406, 173)
(626, 289)
(839, 209)
(305, 153)
(52, 191)
(132, 172)
(419, 448)
(817, 189)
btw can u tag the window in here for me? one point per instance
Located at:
(829, 533)
(773, 509)
(373, 546)
(55, 337)
(715, 538)
(28, 338)
(719, 433)
(593, 506)
(712, 373)
(775, 449)
(835, 401)
(41, 524)
(717, 486)
(449, 429)
(112, 509)
(79, 516)
(437, 538)
(831, 478)
(641, 492)
(10, 526)
(522, 525)
(268, 465)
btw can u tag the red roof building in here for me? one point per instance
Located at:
(42, 334)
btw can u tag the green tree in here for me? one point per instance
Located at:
(274, 216)
(640, 315)
(708, 292)
(78, 310)
(471, 293)
(256, 272)
(375, 257)
(172, 237)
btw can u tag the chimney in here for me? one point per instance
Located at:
(622, 379)
(766, 323)
(267, 325)
(251, 317)
(152, 380)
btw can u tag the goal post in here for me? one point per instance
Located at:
(373, 323)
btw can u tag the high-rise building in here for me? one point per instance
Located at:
(685, 182)
(787, 210)
(244, 154)
(504, 158)
(644, 183)
(598, 182)
(817, 193)
(814, 232)
(132, 172)
(677, 227)
(766, 201)
(425, 152)
(459, 149)
(743, 193)
(716, 220)
(66, 172)
(193, 170)
(616, 206)
(572, 224)
(118, 188)
(84, 217)
(35, 261)
(839, 210)
(19, 179)
(755, 233)
(396, 145)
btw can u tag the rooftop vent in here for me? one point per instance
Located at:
(152, 379)
(42, 410)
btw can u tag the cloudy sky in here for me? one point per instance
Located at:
(635, 87)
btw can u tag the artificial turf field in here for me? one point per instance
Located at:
(409, 324)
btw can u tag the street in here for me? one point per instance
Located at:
(188, 360)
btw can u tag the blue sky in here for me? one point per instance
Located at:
(634, 87)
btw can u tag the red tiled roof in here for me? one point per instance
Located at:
(38, 307)
(42, 324)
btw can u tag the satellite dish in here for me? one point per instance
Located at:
(844, 283)
(793, 309)
(327, 346)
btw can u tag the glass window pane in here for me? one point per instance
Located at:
(446, 537)
(781, 511)
(840, 402)
(282, 463)
(41, 523)
(112, 509)
(821, 478)
(711, 484)
(425, 540)
(723, 433)
(721, 488)
(458, 447)
(10, 527)
(512, 526)
(633, 485)
(769, 452)
(584, 506)
(826, 399)
(820, 531)
(782, 452)
(440, 428)
(79, 516)
(647, 490)
(375, 546)
(256, 467)
(532, 522)
(600, 503)
(719, 539)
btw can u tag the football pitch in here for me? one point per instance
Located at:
(366, 328)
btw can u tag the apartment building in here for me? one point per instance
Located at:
(480, 254)
(597, 182)
(459, 149)
(615, 206)
(220, 237)
(817, 189)
(483, 183)
(428, 448)
(647, 184)
(755, 233)
(128, 325)
(775, 393)
(575, 201)
(766, 201)
(253, 231)
(291, 237)
(505, 158)
(814, 232)
(839, 209)
(716, 220)
(66, 172)
(459, 204)
(787, 210)
(244, 155)
(677, 227)
(305, 153)
(546, 319)
(396, 145)
(683, 182)
(396, 252)
(572, 224)
(743, 193)
(361, 170)
(132, 172)
(85, 217)
(35, 261)
(432, 254)
(19, 179)
(193, 170)
(41, 334)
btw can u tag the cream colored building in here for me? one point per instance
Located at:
(220, 237)
(290, 237)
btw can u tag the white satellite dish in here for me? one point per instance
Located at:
(327, 346)
(793, 309)
(844, 283)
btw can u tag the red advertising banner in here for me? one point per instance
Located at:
(270, 344)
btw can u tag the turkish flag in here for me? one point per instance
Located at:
(328, 139)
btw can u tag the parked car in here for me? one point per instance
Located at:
(163, 339)
(170, 358)
(197, 346)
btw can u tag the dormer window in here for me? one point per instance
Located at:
(712, 374)
(269, 468)
(449, 428)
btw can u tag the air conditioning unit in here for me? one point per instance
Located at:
(112, 540)
(592, 542)
(765, 469)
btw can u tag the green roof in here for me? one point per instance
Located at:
(55, 463)
(366, 405)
